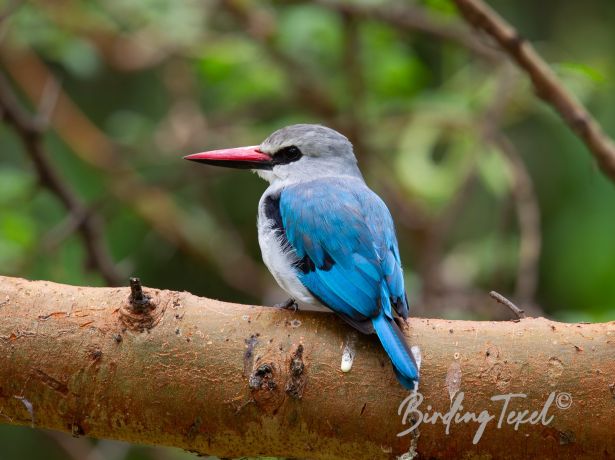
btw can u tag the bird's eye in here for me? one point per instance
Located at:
(286, 155)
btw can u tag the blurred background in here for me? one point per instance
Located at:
(489, 189)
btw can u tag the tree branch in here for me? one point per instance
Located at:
(259, 25)
(546, 84)
(30, 132)
(528, 216)
(407, 18)
(8, 9)
(522, 189)
(233, 380)
(153, 204)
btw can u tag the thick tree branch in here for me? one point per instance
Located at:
(232, 380)
(546, 84)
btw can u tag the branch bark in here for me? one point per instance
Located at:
(233, 380)
(546, 84)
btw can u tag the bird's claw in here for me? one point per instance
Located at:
(289, 304)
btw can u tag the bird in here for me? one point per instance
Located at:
(325, 236)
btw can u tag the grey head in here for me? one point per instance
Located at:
(292, 154)
(304, 151)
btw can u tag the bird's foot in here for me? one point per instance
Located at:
(290, 304)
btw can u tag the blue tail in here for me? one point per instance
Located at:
(395, 345)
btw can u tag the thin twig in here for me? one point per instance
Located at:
(406, 18)
(307, 88)
(355, 82)
(504, 301)
(9, 9)
(522, 190)
(434, 237)
(152, 203)
(528, 216)
(546, 84)
(58, 234)
(261, 27)
(48, 103)
(30, 132)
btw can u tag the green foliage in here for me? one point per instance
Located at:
(161, 79)
(236, 73)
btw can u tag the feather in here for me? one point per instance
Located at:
(347, 257)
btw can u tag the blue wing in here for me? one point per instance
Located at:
(344, 238)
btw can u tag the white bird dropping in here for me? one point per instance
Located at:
(348, 352)
(347, 359)
(416, 352)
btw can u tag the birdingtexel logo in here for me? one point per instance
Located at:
(411, 412)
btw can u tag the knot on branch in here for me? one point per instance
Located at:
(139, 301)
(262, 378)
(266, 392)
(141, 311)
(296, 382)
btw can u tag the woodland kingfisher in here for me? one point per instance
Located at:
(326, 238)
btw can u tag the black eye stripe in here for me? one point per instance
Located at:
(286, 155)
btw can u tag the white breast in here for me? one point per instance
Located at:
(278, 258)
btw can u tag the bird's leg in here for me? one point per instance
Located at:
(400, 322)
(289, 304)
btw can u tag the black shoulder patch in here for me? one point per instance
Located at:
(272, 211)
(305, 265)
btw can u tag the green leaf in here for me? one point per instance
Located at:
(15, 185)
(434, 160)
(591, 73)
(494, 171)
(17, 228)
